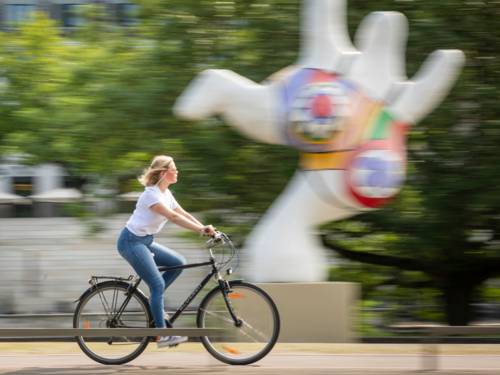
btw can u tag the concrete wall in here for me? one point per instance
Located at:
(316, 312)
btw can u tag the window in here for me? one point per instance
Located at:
(16, 14)
(70, 14)
(23, 185)
(126, 14)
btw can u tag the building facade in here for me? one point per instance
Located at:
(66, 12)
(22, 186)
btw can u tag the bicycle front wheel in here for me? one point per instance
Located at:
(249, 333)
(98, 308)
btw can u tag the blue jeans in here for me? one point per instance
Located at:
(145, 256)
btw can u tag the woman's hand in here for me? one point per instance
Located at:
(208, 230)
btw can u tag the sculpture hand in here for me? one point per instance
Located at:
(376, 66)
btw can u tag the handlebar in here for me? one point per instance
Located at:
(222, 239)
(216, 238)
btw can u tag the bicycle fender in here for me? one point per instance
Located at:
(104, 283)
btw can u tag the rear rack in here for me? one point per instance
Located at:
(95, 279)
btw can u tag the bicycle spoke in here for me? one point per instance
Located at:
(260, 333)
(114, 301)
(105, 304)
(252, 328)
(219, 316)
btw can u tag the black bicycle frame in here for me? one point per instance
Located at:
(186, 303)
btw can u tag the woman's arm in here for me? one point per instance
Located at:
(179, 219)
(186, 214)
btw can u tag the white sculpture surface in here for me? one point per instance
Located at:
(347, 109)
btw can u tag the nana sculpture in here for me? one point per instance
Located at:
(346, 109)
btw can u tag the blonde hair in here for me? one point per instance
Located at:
(151, 175)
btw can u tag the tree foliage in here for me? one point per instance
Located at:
(445, 224)
(99, 101)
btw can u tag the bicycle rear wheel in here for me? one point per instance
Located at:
(97, 309)
(256, 330)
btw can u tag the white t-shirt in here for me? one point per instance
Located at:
(144, 220)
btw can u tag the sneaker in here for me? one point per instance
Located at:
(170, 341)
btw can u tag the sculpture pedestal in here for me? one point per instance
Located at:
(316, 312)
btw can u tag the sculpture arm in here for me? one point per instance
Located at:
(244, 104)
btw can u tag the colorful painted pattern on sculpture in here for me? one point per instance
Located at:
(338, 127)
(376, 168)
(316, 104)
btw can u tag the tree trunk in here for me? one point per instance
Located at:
(457, 299)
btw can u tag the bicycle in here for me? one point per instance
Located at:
(247, 314)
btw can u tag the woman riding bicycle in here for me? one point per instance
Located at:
(155, 206)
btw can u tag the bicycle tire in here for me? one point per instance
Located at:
(257, 334)
(119, 287)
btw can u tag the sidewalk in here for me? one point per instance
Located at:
(50, 348)
(289, 359)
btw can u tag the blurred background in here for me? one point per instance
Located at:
(86, 91)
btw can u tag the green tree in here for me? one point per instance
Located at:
(99, 101)
(445, 224)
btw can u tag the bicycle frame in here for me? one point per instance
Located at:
(223, 285)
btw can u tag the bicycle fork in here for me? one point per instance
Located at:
(226, 290)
